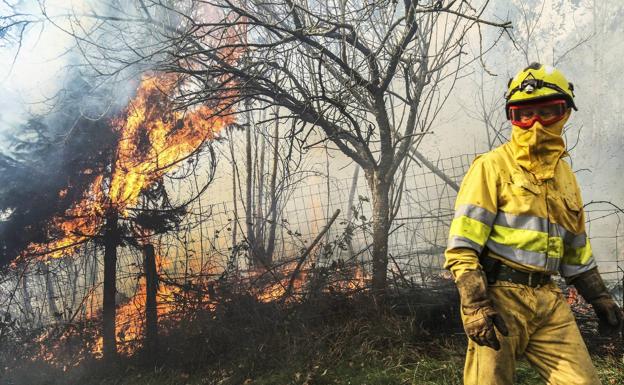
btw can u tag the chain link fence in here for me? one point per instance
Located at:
(212, 244)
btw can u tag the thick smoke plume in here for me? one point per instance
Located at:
(55, 131)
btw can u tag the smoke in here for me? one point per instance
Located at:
(55, 111)
(582, 39)
(34, 56)
(68, 68)
(47, 43)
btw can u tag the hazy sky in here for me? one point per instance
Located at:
(32, 73)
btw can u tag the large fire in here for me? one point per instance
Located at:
(153, 142)
(153, 139)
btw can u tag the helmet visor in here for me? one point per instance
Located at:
(547, 113)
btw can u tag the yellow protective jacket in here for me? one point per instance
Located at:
(530, 224)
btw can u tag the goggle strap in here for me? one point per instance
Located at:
(539, 84)
(553, 102)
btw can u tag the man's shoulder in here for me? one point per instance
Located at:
(497, 157)
(564, 164)
(564, 171)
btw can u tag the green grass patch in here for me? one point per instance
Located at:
(444, 367)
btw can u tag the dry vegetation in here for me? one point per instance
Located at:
(329, 338)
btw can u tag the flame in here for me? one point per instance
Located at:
(130, 316)
(276, 289)
(153, 139)
(153, 142)
(77, 225)
(572, 297)
(344, 279)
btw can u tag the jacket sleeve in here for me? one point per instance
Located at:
(475, 210)
(577, 252)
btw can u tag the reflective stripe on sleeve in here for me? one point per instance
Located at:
(475, 212)
(576, 240)
(461, 242)
(577, 260)
(471, 229)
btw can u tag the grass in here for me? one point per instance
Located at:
(393, 367)
(425, 371)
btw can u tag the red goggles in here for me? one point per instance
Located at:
(547, 113)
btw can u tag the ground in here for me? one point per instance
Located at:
(415, 338)
(396, 366)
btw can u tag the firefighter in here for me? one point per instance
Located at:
(518, 221)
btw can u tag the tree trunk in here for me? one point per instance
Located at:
(50, 295)
(381, 226)
(350, 206)
(259, 225)
(111, 240)
(273, 195)
(151, 306)
(76, 274)
(29, 314)
(249, 197)
(234, 197)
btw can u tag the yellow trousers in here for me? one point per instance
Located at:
(543, 329)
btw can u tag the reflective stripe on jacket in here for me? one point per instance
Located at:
(536, 225)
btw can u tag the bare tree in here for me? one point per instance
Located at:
(368, 77)
(273, 197)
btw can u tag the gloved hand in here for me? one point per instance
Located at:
(589, 284)
(480, 317)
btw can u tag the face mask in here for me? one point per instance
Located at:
(538, 148)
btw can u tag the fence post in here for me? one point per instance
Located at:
(151, 306)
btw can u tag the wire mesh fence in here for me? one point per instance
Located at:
(212, 244)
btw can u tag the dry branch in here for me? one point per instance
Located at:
(307, 252)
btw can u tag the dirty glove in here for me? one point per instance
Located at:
(480, 317)
(590, 285)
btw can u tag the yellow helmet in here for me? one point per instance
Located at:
(538, 82)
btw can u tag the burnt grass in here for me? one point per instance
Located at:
(414, 337)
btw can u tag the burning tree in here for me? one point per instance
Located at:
(368, 77)
(115, 195)
(47, 170)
